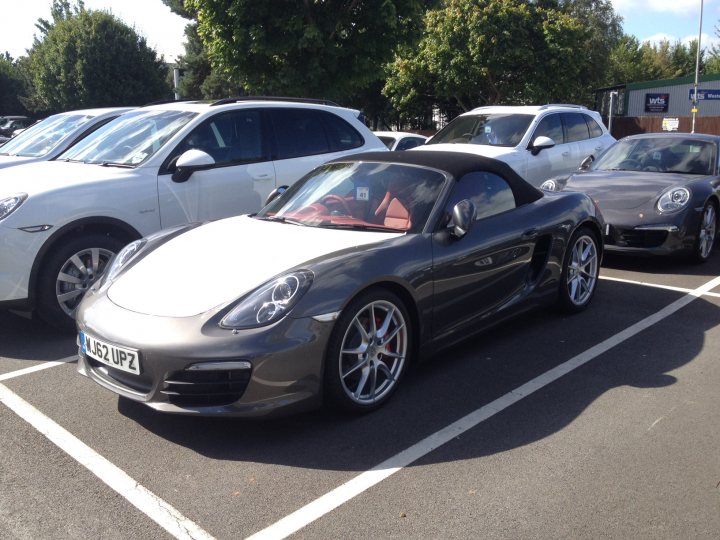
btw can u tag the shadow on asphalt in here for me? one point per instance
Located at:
(674, 265)
(26, 339)
(462, 379)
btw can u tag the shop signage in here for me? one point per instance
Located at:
(655, 103)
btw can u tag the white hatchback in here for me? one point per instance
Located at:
(538, 142)
(157, 167)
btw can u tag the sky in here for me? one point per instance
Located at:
(648, 20)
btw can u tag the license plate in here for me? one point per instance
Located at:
(110, 355)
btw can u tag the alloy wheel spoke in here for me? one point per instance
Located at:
(62, 298)
(394, 332)
(363, 333)
(67, 278)
(373, 381)
(95, 255)
(79, 264)
(357, 365)
(386, 323)
(385, 370)
(361, 383)
(573, 289)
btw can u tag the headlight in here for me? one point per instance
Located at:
(125, 255)
(673, 200)
(269, 303)
(548, 185)
(9, 204)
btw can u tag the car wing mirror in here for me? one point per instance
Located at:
(275, 193)
(463, 215)
(585, 163)
(191, 161)
(541, 143)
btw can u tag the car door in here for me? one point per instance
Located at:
(577, 137)
(239, 182)
(305, 138)
(549, 162)
(596, 144)
(480, 273)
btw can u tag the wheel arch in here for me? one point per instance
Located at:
(112, 227)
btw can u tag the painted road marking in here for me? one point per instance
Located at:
(38, 367)
(364, 481)
(143, 499)
(657, 286)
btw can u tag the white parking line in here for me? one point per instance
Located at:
(657, 286)
(335, 498)
(38, 367)
(144, 500)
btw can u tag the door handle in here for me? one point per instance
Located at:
(598, 148)
(567, 153)
(261, 177)
(529, 234)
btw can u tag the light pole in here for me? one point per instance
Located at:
(697, 69)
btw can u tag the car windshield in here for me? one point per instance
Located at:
(40, 139)
(485, 129)
(655, 154)
(360, 196)
(130, 139)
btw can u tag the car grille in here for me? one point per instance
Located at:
(636, 238)
(131, 381)
(206, 388)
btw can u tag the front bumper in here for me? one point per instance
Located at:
(273, 370)
(674, 235)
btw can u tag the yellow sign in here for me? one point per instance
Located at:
(693, 110)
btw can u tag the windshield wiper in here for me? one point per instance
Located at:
(281, 219)
(68, 160)
(357, 227)
(113, 164)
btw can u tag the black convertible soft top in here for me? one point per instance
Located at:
(456, 164)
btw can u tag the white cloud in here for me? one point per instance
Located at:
(706, 41)
(680, 7)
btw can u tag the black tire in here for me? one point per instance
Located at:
(50, 287)
(579, 276)
(706, 234)
(345, 371)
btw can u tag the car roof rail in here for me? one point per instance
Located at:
(164, 101)
(571, 105)
(225, 101)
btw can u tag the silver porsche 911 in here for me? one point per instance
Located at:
(365, 265)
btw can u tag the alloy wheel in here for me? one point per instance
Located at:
(78, 274)
(708, 227)
(373, 352)
(582, 270)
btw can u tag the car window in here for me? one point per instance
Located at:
(230, 138)
(593, 126)
(550, 126)
(298, 132)
(575, 127)
(387, 141)
(490, 193)
(41, 138)
(498, 129)
(409, 142)
(660, 155)
(130, 139)
(341, 135)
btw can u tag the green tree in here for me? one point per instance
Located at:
(478, 52)
(12, 85)
(91, 59)
(333, 49)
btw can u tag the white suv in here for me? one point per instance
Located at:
(538, 142)
(153, 168)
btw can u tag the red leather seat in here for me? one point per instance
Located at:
(397, 216)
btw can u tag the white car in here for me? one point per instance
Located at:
(538, 142)
(400, 140)
(50, 137)
(157, 167)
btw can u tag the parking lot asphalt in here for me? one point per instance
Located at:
(623, 443)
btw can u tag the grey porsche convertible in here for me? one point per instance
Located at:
(367, 264)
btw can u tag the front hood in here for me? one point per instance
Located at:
(624, 190)
(219, 262)
(10, 161)
(44, 176)
(478, 149)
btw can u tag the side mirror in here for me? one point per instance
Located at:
(541, 143)
(463, 214)
(585, 163)
(191, 161)
(275, 193)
